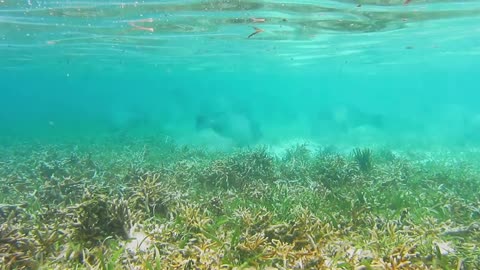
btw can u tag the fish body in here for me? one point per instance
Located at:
(257, 30)
(236, 126)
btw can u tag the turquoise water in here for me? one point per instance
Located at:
(334, 72)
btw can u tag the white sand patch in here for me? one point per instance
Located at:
(445, 248)
(212, 141)
(280, 149)
(138, 240)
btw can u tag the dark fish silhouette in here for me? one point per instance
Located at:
(239, 127)
(257, 30)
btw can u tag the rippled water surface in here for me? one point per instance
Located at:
(196, 31)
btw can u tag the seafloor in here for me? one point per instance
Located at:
(152, 204)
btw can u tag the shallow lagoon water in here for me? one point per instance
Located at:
(343, 135)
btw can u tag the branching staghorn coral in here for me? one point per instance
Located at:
(17, 251)
(409, 212)
(98, 217)
(240, 169)
(151, 194)
(333, 170)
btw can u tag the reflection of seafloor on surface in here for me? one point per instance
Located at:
(150, 204)
(283, 20)
(181, 32)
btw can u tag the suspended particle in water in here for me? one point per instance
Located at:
(135, 26)
(258, 20)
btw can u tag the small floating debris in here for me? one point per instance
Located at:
(258, 20)
(135, 26)
(407, 2)
(257, 30)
